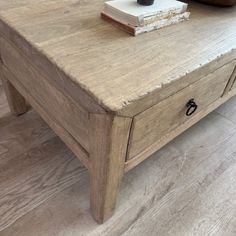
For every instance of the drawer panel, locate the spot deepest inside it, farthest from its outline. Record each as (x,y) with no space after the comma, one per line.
(150,126)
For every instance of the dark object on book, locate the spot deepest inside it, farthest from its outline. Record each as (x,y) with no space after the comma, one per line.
(226,3)
(145,2)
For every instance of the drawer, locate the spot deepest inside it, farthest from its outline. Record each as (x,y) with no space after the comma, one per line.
(150,126)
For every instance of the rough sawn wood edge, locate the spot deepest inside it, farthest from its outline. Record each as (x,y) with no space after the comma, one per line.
(87,99)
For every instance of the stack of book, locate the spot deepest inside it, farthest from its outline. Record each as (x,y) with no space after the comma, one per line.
(135,19)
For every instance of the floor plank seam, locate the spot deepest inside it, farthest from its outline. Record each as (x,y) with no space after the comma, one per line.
(223,116)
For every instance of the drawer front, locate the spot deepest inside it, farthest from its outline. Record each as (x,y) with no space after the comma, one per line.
(150,126)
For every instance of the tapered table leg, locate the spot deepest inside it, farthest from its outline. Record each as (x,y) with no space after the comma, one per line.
(15,100)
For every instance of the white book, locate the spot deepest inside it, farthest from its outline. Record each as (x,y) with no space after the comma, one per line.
(131,13)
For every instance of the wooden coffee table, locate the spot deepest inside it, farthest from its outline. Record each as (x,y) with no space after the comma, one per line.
(112,98)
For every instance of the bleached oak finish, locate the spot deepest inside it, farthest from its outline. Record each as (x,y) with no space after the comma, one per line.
(108,137)
(4,107)
(69,140)
(130,164)
(167,115)
(69,114)
(72,29)
(16,101)
(95,85)
(232,82)
(190,180)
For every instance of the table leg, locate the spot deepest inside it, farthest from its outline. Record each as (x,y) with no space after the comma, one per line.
(15,100)
(109,141)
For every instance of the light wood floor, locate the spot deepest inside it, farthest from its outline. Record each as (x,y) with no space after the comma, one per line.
(187,188)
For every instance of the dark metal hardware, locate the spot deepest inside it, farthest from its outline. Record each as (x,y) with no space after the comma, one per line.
(192,107)
(145,2)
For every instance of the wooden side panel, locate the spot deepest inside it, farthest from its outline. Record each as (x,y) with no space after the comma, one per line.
(52,122)
(70,44)
(64,110)
(151,125)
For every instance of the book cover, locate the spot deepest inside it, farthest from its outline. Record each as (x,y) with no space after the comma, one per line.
(136,30)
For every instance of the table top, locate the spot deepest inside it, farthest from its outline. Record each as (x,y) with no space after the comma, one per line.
(115,69)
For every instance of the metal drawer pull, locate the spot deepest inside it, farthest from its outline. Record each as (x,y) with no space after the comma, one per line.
(192,107)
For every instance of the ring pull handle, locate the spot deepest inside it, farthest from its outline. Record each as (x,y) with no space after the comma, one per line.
(192,107)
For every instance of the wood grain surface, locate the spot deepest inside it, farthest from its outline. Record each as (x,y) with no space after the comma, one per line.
(161,119)
(233,79)
(131,163)
(189,189)
(4,107)
(69,64)
(69,38)
(69,114)
(109,137)
(16,101)
(69,140)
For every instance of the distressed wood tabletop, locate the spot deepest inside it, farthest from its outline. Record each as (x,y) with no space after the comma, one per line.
(123,74)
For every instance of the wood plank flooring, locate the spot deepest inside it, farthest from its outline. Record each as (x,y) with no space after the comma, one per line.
(187,188)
